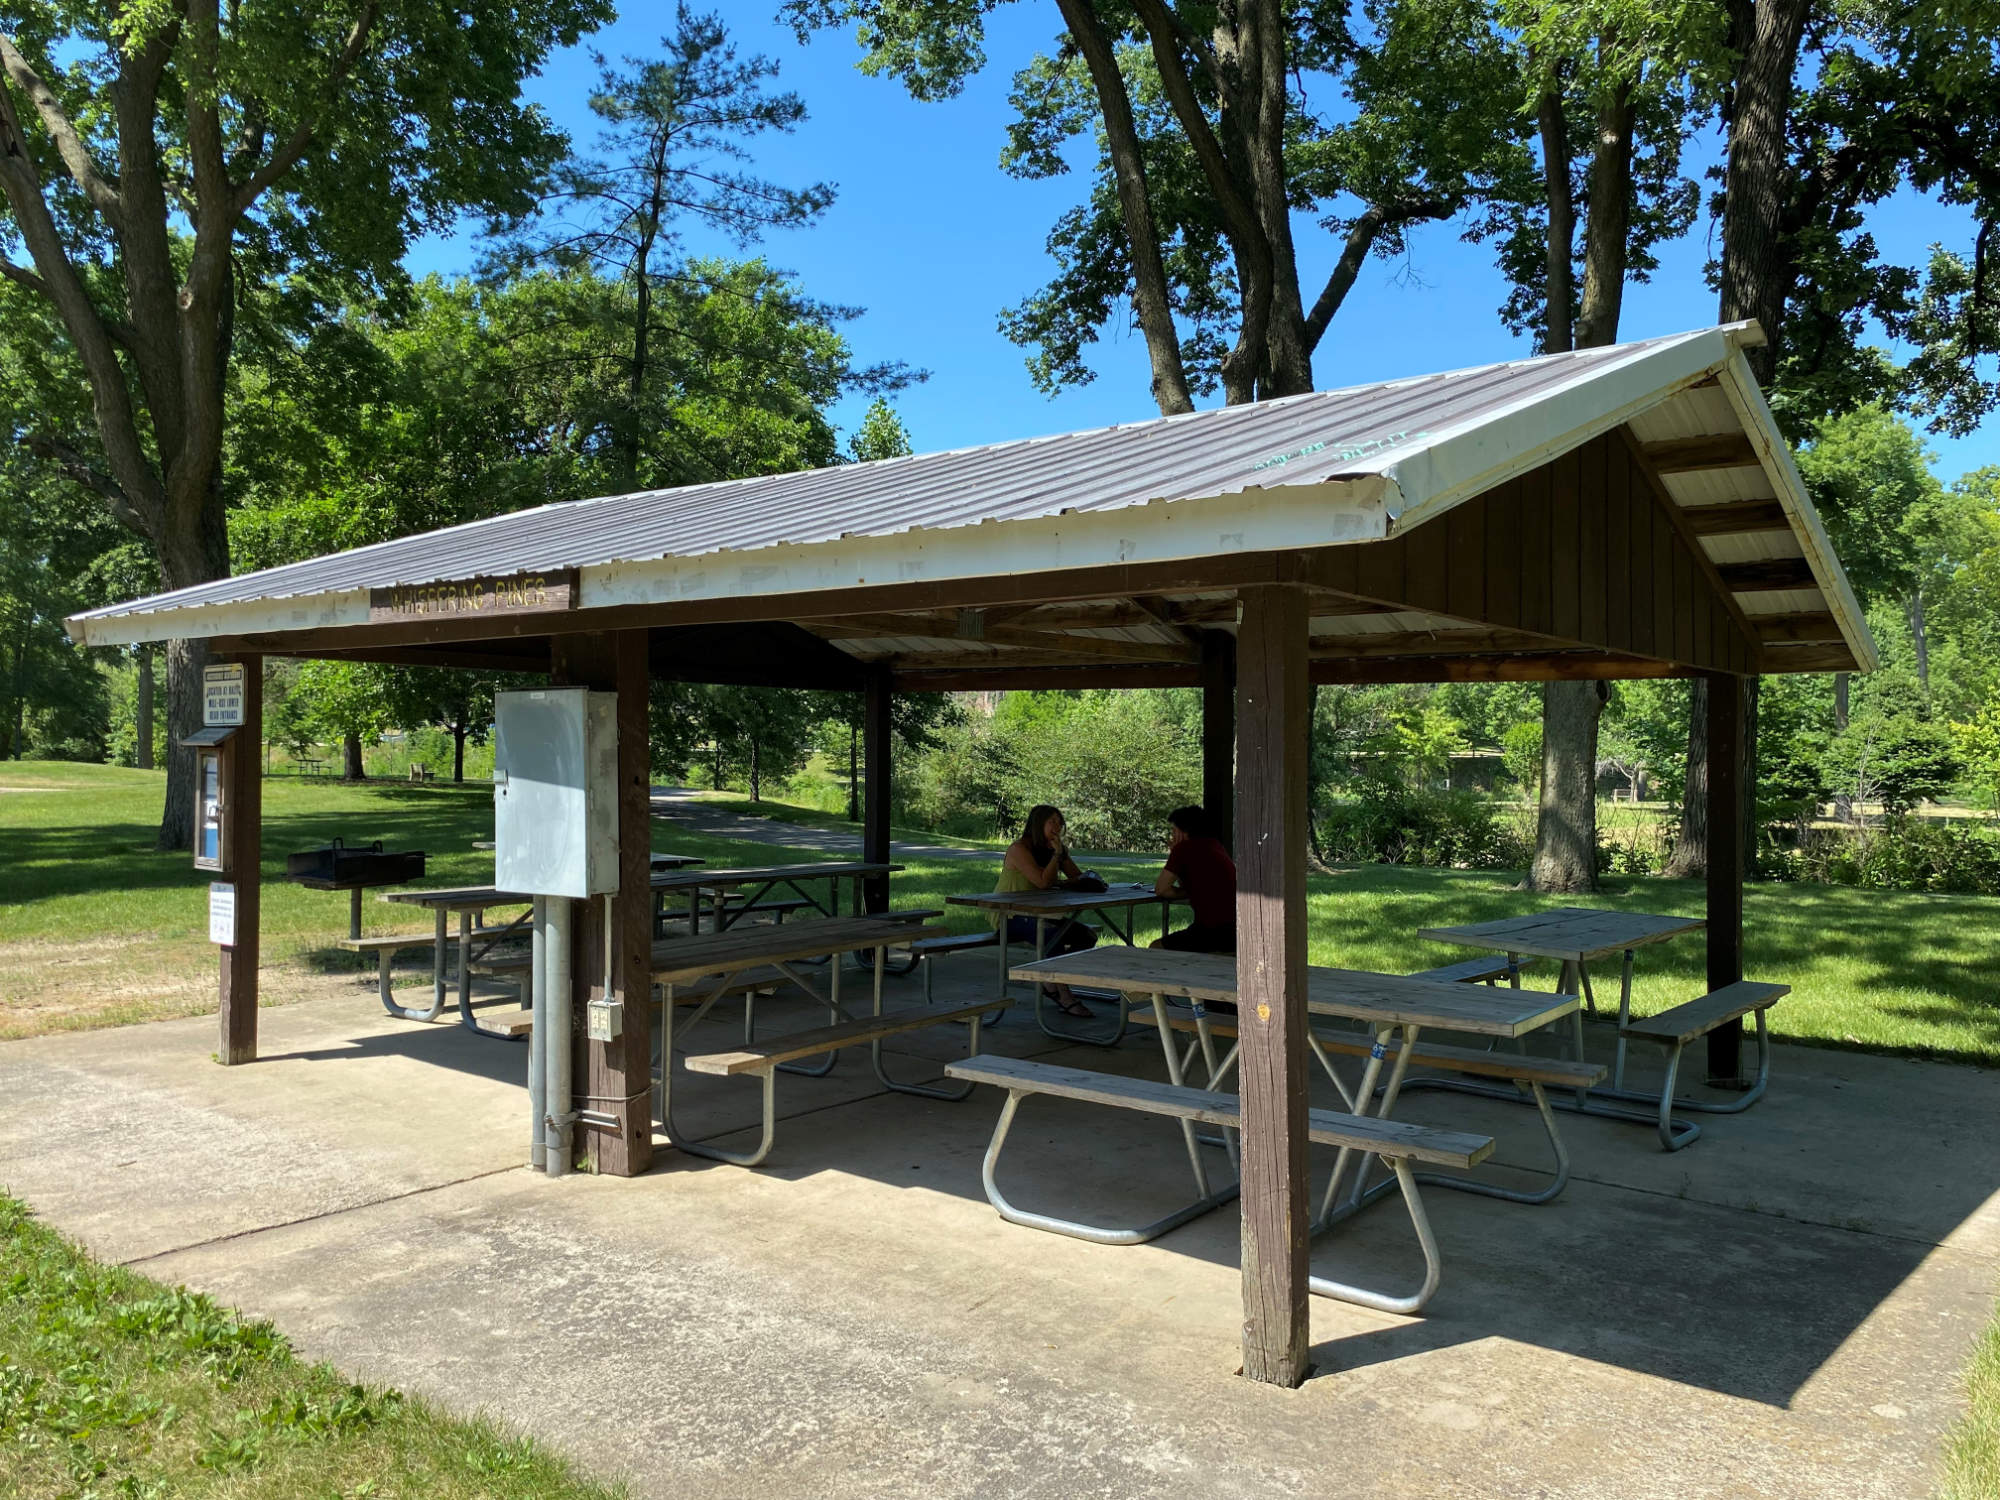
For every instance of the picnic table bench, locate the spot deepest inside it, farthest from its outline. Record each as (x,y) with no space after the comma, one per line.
(1391,1141)
(719,957)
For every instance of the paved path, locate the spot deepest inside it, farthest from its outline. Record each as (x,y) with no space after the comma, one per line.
(1779,1312)
(686,807)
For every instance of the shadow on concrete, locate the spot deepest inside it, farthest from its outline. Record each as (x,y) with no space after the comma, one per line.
(1706,1268)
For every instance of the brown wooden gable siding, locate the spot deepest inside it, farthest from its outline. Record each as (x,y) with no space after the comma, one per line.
(1585,549)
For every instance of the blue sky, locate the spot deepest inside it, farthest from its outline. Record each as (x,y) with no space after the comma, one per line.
(933,239)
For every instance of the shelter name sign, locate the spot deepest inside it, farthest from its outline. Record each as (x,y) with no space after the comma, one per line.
(515,594)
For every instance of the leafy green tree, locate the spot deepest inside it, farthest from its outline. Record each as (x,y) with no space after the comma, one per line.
(1977,743)
(159,162)
(675,131)
(344,702)
(456,701)
(881,434)
(1204,153)
(1898,761)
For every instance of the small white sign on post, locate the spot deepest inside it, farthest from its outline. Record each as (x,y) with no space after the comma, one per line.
(222,913)
(222,694)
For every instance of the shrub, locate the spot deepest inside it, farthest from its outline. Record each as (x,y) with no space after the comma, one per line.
(1404,826)
(1907,854)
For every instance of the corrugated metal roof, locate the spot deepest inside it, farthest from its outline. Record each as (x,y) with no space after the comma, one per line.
(1320,469)
(1300,440)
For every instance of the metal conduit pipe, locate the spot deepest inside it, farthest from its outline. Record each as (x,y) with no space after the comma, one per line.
(538,999)
(556,1039)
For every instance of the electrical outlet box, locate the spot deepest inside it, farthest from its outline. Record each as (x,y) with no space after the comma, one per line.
(605,1020)
(555,792)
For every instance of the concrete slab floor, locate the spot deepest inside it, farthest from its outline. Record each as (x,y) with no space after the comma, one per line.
(1781,1310)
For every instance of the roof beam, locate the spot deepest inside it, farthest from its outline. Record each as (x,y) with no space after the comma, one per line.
(1720,450)
(926,628)
(1737,517)
(1785,629)
(1768,576)
(1422,643)
(1539,666)
(1828,656)
(1161,612)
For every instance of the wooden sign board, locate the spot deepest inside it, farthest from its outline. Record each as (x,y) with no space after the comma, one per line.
(222,694)
(457,598)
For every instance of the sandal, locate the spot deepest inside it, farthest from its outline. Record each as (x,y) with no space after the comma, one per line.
(1070,1007)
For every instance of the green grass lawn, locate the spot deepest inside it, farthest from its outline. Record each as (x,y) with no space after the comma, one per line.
(88,907)
(114,1385)
(1972,1455)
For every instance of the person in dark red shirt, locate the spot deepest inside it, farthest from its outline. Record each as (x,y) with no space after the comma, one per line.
(1200,870)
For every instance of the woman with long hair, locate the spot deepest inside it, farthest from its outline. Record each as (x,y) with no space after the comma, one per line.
(1039,861)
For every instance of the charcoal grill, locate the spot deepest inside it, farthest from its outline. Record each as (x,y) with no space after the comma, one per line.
(336,867)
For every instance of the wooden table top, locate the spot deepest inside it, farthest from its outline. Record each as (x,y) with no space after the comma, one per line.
(743,947)
(477,897)
(1572,933)
(1354,994)
(757,874)
(460,898)
(1039,903)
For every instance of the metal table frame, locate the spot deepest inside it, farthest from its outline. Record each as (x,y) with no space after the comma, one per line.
(1574,978)
(835,1009)
(1080,904)
(1371,1097)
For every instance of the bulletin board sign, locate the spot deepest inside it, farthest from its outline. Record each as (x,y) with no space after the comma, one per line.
(222,694)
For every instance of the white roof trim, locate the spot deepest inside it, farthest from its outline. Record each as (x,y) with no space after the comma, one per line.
(1283,518)
(1512,440)
(1740,386)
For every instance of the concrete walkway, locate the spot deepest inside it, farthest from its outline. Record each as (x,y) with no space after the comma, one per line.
(1780,1311)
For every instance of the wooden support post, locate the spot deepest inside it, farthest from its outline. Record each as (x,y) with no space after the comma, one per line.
(615,1077)
(1271,979)
(876,752)
(243,808)
(1218,731)
(1726,773)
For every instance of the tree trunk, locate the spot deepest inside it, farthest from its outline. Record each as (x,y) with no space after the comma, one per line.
(756,772)
(853,774)
(1151,299)
(194,549)
(1840,684)
(1606,238)
(1922,642)
(458,753)
(715,767)
(1689,859)
(1559,300)
(350,750)
(1765,35)
(1566,833)
(144,709)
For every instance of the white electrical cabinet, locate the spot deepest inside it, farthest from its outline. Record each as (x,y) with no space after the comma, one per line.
(555,792)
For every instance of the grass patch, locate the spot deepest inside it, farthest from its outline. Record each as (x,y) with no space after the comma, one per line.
(115,1385)
(1972,1455)
(97,928)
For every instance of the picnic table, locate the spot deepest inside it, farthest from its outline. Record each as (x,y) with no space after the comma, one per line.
(766,878)
(1061,904)
(471,903)
(1386,1004)
(736,960)
(1577,936)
